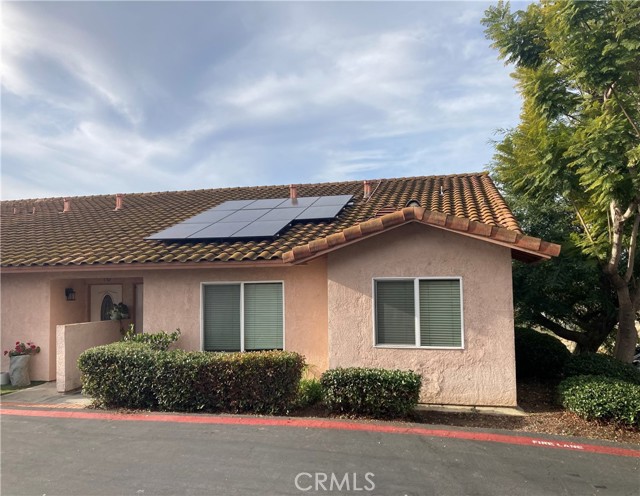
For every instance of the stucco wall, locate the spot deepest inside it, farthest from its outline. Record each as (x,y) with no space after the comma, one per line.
(72,340)
(33,304)
(25,317)
(483,373)
(172,300)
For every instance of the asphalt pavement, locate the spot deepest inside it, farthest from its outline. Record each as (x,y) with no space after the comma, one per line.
(45,455)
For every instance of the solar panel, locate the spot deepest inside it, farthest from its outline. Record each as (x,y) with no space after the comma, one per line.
(262,228)
(209,216)
(282,214)
(240,219)
(269,203)
(245,215)
(304,201)
(179,231)
(233,205)
(337,200)
(321,212)
(219,230)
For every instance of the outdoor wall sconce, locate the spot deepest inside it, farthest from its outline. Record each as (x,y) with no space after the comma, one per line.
(70,294)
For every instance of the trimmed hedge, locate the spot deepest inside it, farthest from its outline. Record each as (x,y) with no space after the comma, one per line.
(133,375)
(156,340)
(539,356)
(602,365)
(602,398)
(373,392)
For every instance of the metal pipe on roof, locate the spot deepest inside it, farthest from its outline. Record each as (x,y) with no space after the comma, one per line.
(293,191)
(367,189)
(119,201)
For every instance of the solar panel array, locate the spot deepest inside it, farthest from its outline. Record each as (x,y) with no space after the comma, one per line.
(246,219)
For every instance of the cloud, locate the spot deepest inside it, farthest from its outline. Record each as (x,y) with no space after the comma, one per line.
(223,94)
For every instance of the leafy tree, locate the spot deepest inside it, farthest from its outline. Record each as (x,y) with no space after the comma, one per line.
(569,295)
(577,67)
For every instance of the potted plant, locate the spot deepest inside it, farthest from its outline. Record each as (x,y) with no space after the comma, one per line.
(19,357)
(119,311)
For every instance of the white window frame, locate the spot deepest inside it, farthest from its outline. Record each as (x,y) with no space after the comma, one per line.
(241,284)
(416,299)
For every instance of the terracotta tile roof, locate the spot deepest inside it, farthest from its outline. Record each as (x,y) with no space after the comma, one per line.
(524,247)
(37,233)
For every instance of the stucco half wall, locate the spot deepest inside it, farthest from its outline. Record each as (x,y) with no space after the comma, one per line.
(483,373)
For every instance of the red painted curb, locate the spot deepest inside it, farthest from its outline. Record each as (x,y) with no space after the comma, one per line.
(329,424)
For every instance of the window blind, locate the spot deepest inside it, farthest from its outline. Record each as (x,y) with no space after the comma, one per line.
(222,317)
(440,316)
(395,312)
(263,321)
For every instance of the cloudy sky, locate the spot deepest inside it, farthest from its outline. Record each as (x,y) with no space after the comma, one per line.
(153,96)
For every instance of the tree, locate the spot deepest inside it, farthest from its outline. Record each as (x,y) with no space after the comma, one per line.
(577,67)
(568,295)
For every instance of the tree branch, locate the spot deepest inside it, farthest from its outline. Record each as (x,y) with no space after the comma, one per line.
(563,332)
(632,248)
(624,111)
(586,229)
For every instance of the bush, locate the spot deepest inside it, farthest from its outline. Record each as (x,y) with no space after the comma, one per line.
(539,356)
(603,365)
(156,340)
(602,398)
(309,393)
(133,375)
(374,392)
(120,374)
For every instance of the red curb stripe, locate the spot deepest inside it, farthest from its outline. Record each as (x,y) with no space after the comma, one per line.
(331,424)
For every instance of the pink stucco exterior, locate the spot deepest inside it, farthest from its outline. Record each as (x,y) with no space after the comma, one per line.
(483,373)
(34,304)
(328,309)
(172,299)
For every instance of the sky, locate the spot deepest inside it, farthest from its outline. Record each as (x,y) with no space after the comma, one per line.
(119,97)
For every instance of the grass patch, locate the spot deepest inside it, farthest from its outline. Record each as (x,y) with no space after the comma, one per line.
(8,389)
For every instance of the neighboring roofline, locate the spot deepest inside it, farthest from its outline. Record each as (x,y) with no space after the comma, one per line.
(525,248)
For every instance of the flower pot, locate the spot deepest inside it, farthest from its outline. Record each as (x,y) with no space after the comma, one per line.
(19,370)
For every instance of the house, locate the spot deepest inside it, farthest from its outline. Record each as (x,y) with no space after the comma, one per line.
(411,273)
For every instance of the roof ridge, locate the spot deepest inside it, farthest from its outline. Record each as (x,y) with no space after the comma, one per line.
(235,188)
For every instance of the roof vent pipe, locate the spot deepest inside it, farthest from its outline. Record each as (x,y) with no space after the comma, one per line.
(67,205)
(293,192)
(15,210)
(119,201)
(367,189)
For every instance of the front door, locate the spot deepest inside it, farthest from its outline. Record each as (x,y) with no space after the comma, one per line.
(103,299)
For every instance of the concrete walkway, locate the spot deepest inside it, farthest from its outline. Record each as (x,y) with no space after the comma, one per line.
(45,395)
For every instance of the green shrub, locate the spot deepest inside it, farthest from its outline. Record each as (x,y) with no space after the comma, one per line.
(120,375)
(602,398)
(373,392)
(133,375)
(309,393)
(156,340)
(603,365)
(539,356)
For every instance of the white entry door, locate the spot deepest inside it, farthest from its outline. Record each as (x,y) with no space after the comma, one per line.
(103,299)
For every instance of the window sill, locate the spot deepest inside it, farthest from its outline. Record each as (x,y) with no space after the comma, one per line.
(413,347)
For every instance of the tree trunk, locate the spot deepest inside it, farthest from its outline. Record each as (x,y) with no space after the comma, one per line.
(627,337)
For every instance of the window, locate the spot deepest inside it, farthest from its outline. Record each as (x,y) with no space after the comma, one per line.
(417,312)
(243,317)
